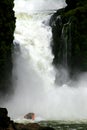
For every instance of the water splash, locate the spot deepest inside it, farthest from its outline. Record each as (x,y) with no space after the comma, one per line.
(34,75)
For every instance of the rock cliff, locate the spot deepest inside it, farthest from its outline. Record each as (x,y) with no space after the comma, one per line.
(69,27)
(7,26)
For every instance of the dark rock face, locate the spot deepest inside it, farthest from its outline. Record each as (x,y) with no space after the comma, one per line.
(69,27)
(71,4)
(7,26)
(4,119)
(7,124)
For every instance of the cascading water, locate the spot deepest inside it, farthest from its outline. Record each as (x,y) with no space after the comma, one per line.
(34,74)
(64,55)
(66,47)
(34,38)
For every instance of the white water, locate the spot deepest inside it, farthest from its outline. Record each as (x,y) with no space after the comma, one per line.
(34,75)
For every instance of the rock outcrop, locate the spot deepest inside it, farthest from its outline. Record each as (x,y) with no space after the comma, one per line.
(69,27)
(30,116)
(4,119)
(7,124)
(7,26)
(31,126)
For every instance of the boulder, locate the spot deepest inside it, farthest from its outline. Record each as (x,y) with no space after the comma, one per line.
(4,119)
(7,124)
(30,116)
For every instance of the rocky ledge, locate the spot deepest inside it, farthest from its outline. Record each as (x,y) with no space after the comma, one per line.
(7,124)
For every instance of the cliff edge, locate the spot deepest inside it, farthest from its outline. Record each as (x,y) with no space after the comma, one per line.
(69,27)
(7,26)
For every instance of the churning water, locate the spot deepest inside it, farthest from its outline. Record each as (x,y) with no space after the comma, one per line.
(33,72)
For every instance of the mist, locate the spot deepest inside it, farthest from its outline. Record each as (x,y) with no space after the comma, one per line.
(32,94)
(36,81)
(48,101)
(32,5)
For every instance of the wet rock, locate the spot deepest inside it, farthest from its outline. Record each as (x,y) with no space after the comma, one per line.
(7,27)
(69,28)
(4,119)
(30,116)
(46,128)
(31,126)
(7,124)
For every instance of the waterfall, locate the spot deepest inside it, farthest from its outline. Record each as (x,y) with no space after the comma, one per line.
(33,73)
(66,44)
(62,77)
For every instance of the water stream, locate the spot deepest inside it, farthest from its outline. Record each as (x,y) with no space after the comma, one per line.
(33,73)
